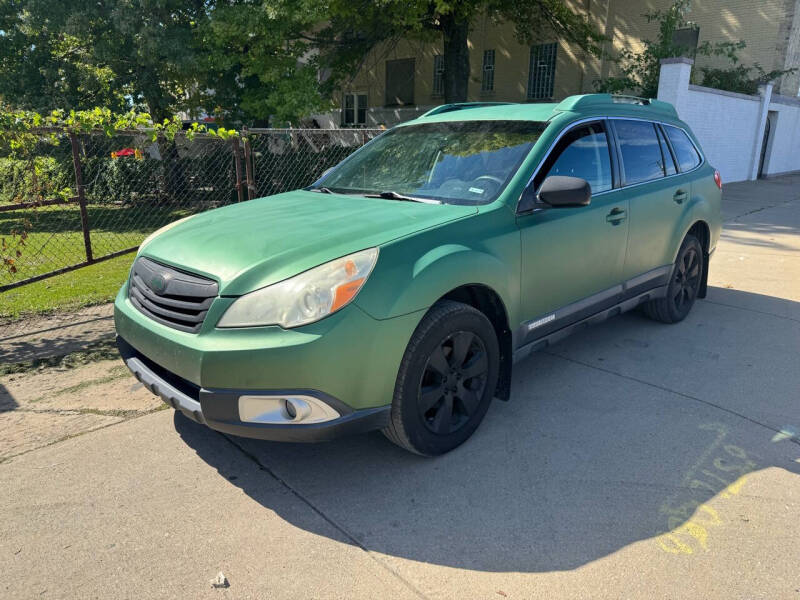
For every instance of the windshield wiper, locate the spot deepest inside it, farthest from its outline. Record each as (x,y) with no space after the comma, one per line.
(390,195)
(322,190)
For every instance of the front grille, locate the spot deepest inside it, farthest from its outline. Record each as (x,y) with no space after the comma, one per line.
(173,298)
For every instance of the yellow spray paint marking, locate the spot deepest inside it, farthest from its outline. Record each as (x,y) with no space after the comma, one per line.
(734,488)
(688,523)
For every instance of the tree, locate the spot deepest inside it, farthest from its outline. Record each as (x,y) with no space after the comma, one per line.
(260,60)
(641,70)
(355,28)
(107,53)
(237,58)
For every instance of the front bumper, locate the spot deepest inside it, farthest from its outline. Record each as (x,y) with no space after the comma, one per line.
(218,409)
(348,360)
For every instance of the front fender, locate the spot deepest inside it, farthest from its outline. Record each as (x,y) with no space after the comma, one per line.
(412,274)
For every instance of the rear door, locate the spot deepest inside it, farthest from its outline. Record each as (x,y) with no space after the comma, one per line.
(658,195)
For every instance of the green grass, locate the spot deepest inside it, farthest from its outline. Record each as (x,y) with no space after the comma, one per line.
(94,284)
(55,239)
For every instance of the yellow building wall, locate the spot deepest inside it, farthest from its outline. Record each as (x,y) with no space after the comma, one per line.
(762,24)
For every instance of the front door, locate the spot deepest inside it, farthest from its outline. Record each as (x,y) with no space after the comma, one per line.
(572,258)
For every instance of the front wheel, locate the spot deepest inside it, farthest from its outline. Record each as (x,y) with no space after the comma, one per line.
(446,380)
(684,284)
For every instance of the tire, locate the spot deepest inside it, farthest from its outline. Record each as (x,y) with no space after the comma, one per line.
(684,284)
(446,380)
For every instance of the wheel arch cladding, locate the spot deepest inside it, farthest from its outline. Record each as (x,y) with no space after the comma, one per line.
(447,272)
(489,302)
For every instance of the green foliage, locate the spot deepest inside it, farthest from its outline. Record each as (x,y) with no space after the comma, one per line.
(640,70)
(39,178)
(237,59)
(36,161)
(259,60)
(739,78)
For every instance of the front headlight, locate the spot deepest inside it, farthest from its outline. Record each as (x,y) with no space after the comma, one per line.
(304,298)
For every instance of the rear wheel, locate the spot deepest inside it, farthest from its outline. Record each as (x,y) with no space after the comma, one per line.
(684,284)
(446,380)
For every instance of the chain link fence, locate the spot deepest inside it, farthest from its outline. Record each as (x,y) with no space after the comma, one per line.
(80,199)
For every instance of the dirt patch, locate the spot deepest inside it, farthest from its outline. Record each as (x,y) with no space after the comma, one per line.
(51,403)
(36,338)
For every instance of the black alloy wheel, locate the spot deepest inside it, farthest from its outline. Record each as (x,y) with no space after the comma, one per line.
(446,380)
(683,286)
(453,382)
(687,279)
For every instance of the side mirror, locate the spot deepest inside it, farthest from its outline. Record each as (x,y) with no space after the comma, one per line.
(561,191)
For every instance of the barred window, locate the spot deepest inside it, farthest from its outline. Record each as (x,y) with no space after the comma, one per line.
(487,82)
(438,75)
(542,71)
(355,109)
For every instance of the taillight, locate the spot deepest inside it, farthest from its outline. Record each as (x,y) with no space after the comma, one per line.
(718,179)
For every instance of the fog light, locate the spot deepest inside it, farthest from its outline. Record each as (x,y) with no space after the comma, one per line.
(285,410)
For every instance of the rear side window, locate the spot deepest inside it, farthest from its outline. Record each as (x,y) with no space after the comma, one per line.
(685,152)
(582,152)
(640,149)
(669,163)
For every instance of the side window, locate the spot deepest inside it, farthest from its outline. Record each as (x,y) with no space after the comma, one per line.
(685,152)
(669,161)
(582,152)
(640,149)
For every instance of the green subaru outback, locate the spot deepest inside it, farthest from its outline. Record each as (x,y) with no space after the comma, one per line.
(396,292)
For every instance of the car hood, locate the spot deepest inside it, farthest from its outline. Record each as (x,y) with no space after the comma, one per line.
(250,245)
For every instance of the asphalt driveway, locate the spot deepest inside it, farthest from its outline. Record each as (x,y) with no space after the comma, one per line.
(634,460)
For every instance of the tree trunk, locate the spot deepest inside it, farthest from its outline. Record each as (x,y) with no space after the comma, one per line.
(456,58)
(175,182)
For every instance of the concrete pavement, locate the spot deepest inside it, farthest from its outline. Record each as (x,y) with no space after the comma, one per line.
(635,460)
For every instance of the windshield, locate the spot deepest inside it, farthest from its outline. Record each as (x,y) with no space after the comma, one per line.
(468,162)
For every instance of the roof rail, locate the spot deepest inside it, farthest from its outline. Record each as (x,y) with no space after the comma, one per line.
(599,101)
(444,108)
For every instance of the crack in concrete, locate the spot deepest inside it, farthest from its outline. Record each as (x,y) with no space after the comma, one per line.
(758,210)
(677,393)
(333,523)
(760,312)
(4,459)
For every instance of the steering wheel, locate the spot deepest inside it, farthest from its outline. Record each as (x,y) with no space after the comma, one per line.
(497,180)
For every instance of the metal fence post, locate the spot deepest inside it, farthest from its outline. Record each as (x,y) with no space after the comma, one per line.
(237,159)
(76,163)
(248,165)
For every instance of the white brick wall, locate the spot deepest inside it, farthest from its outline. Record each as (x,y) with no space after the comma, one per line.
(730,126)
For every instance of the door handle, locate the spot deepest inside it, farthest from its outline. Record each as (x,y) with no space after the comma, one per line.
(616,216)
(679,196)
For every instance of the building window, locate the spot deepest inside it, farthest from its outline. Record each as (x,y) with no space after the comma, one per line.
(400,82)
(438,75)
(542,72)
(487,82)
(355,109)
(686,40)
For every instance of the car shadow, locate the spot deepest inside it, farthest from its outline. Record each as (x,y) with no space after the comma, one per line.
(7,400)
(602,445)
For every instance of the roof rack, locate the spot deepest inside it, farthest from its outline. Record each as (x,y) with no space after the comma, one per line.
(444,108)
(598,101)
